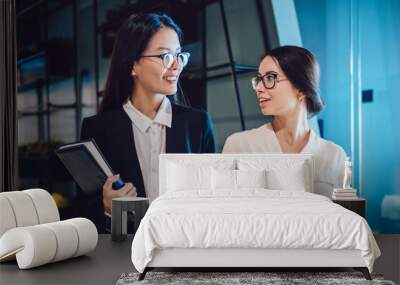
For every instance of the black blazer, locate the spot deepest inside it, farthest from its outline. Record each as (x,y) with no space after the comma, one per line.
(191,132)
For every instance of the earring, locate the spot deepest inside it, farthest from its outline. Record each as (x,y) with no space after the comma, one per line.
(133,73)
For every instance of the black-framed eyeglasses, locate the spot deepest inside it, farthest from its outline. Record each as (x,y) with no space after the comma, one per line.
(168,58)
(268,80)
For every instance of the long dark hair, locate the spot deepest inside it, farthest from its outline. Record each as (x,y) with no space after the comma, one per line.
(302,69)
(132,39)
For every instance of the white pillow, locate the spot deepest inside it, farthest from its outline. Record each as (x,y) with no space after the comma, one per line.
(251,178)
(291,179)
(188,177)
(282,174)
(236,179)
(223,179)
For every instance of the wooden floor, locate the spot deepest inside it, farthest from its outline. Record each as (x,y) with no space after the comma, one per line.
(389,262)
(110,260)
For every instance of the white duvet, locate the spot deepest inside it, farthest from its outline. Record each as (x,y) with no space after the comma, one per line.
(252,218)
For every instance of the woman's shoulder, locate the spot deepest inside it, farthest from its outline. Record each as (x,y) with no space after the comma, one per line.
(329,159)
(186,110)
(245,140)
(329,155)
(327,146)
(94,126)
(190,115)
(104,117)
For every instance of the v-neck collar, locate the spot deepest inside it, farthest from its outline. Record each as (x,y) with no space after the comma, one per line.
(306,149)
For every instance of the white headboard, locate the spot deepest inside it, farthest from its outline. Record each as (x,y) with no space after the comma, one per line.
(268,160)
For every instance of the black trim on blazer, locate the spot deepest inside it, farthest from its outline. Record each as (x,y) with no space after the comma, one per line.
(191,132)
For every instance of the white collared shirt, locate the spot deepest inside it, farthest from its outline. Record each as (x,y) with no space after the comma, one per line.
(328,157)
(150,141)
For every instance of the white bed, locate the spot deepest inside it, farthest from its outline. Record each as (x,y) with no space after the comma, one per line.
(204,219)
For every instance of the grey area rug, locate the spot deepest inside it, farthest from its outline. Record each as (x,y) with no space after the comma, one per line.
(225,278)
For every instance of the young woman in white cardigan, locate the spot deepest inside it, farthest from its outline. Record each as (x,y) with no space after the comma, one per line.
(287,88)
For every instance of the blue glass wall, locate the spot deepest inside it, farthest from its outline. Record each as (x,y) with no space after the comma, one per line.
(379,24)
(334,30)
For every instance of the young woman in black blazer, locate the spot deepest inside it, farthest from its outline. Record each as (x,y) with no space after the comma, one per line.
(137,121)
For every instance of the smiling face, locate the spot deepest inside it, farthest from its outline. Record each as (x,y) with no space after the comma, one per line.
(283,98)
(149,72)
